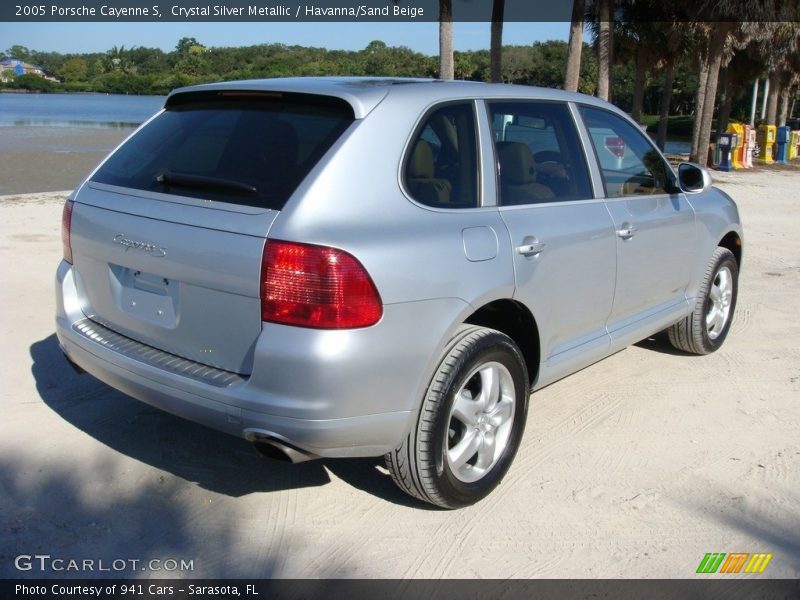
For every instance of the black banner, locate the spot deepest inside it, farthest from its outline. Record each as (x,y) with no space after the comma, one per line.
(392,589)
(400,11)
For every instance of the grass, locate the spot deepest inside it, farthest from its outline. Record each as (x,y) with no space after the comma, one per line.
(678,126)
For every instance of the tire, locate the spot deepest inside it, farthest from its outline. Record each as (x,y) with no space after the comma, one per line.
(706,328)
(470,423)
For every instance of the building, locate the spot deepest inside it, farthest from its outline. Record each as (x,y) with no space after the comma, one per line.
(18,67)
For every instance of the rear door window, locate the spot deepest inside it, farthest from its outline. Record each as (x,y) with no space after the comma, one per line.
(539,156)
(239,147)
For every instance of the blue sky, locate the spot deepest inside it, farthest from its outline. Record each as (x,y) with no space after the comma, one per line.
(422,37)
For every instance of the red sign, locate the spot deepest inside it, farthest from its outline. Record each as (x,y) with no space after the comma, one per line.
(615,145)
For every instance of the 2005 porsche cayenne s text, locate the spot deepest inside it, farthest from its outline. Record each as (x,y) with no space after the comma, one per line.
(345,267)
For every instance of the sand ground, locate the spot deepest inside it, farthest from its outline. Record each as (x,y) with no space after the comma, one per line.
(634,467)
(43,159)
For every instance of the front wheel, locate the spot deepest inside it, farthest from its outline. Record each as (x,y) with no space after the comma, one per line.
(470,423)
(706,328)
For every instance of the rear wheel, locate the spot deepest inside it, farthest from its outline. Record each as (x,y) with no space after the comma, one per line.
(706,328)
(470,423)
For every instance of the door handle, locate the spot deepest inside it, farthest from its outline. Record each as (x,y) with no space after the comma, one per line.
(627,231)
(531,249)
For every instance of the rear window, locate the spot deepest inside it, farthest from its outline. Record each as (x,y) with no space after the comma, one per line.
(250,148)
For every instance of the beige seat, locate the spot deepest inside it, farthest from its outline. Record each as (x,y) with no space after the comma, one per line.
(420,177)
(518,176)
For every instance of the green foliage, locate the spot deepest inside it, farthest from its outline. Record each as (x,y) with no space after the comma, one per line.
(74,69)
(186,44)
(32,83)
(140,70)
(678,125)
(19,52)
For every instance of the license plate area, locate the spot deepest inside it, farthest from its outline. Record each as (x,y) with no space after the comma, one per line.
(145,296)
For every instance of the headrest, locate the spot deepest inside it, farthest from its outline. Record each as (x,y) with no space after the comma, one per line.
(421,165)
(516,163)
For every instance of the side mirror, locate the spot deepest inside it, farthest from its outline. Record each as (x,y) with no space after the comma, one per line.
(693,178)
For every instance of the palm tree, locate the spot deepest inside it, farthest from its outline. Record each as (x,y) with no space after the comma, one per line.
(780,48)
(714,39)
(446,63)
(605,43)
(672,50)
(705,115)
(737,79)
(496,45)
(636,40)
(572,77)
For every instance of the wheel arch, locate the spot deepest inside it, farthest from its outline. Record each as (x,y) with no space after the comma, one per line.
(733,242)
(517,322)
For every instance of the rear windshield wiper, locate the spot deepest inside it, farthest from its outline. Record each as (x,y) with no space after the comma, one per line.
(201,181)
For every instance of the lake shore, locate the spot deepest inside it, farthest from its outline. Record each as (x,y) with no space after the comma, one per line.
(52,158)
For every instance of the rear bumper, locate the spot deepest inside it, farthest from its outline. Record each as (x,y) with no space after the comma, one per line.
(373,434)
(332,394)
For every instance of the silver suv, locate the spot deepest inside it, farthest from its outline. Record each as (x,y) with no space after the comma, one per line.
(344,267)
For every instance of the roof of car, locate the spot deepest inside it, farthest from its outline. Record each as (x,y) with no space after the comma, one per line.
(365,93)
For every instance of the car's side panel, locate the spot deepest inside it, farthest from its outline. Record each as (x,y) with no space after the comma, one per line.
(655,246)
(656,238)
(569,285)
(413,252)
(716,216)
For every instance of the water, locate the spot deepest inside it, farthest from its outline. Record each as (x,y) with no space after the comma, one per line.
(77,110)
(113,111)
(677,147)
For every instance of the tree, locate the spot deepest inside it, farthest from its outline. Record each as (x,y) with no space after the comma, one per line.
(185,45)
(116,59)
(672,50)
(737,79)
(780,49)
(714,61)
(604,43)
(714,30)
(19,52)
(496,44)
(640,40)
(575,46)
(604,48)
(376,58)
(446,66)
(32,82)
(74,69)
(193,64)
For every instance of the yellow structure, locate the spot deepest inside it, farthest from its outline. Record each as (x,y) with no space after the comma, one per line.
(793,145)
(737,152)
(766,140)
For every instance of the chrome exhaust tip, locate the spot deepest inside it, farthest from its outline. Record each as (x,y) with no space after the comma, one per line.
(269,446)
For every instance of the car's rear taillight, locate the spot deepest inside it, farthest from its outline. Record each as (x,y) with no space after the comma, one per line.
(316,286)
(66,230)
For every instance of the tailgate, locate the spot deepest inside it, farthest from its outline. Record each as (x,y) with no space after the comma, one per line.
(176,275)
